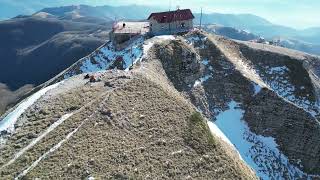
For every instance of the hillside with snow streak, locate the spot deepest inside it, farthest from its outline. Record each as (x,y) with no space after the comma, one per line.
(8,122)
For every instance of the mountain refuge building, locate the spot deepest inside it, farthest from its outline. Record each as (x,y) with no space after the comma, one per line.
(160,23)
(171,22)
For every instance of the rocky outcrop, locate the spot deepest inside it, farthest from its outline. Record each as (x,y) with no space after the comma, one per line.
(181,63)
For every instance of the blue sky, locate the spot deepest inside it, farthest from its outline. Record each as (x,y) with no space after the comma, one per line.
(295,13)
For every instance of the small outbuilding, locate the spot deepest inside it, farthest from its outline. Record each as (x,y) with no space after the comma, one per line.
(122,32)
(171,22)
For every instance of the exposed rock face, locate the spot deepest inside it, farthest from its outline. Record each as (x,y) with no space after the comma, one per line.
(180,62)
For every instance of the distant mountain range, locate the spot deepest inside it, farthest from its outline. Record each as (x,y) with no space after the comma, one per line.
(108,12)
(308,38)
(260,26)
(230,32)
(252,23)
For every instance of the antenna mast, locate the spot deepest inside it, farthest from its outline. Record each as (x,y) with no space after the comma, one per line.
(201,19)
(169,11)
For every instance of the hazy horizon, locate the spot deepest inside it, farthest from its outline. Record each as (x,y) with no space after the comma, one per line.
(292,13)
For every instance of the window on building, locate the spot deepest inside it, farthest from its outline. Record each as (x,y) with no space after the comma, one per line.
(183,25)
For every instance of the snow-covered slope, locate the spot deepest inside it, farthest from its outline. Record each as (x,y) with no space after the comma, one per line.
(106,57)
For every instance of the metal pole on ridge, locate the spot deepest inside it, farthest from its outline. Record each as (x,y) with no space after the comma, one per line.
(169,21)
(201,19)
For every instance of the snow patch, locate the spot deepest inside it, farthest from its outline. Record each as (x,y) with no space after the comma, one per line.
(278,70)
(257,88)
(214,129)
(259,152)
(165,37)
(107,55)
(246,31)
(278,80)
(196,39)
(202,79)
(205,62)
(177,152)
(8,122)
(197,83)
(91,178)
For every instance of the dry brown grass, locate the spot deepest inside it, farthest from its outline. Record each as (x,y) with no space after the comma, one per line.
(143,129)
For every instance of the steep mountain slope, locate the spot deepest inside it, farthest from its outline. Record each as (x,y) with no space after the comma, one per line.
(261,100)
(239,76)
(33,49)
(235,74)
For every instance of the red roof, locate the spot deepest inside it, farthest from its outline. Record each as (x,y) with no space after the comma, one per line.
(171,16)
